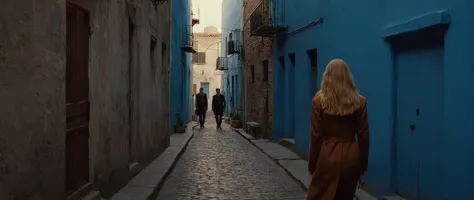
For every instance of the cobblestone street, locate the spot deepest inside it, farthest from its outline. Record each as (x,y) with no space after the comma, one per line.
(220,164)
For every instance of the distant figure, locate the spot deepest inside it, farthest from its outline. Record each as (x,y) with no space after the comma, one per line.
(201,106)
(218,105)
(337,161)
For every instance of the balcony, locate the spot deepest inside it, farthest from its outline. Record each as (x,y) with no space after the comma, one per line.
(190,44)
(232,48)
(267,19)
(233,45)
(191,47)
(195,18)
(222,64)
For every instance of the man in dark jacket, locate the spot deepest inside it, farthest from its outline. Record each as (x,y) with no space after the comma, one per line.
(218,105)
(201,106)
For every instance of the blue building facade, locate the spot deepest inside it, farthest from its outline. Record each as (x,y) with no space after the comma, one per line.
(411,60)
(232,73)
(181,75)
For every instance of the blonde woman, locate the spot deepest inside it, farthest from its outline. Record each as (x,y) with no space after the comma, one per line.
(337,161)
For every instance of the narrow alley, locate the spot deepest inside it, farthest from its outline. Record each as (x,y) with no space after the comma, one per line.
(100,99)
(221,164)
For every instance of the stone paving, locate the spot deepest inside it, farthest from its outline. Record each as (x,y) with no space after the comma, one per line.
(221,164)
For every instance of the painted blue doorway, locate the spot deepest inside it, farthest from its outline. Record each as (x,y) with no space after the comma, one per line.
(313,60)
(419,122)
(232,97)
(291,95)
(279,100)
(236,93)
(205,87)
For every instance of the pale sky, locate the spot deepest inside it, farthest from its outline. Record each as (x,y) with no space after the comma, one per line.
(210,14)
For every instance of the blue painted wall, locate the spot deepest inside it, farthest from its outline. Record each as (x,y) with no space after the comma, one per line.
(232,11)
(181,77)
(354,31)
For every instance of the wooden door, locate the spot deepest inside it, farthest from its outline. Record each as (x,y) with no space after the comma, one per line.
(77,98)
(131,60)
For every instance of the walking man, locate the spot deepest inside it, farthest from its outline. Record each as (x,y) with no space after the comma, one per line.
(201,106)
(218,105)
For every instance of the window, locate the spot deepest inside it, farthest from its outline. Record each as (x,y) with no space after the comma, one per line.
(252,73)
(265,70)
(152,54)
(292,57)
(313,57)
(202,57)
(282,62)
(199,58)
(164,58)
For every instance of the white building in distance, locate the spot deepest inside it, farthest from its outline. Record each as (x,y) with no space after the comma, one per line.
(205,74)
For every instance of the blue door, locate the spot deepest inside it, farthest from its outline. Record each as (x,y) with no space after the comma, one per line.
(279,100)
(291,96)
(205,87)
(419,122)
(232,97)
(236,92)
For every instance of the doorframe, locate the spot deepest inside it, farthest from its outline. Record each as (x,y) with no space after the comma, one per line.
(132,88)
(394,136)
(291,93)
(433,32)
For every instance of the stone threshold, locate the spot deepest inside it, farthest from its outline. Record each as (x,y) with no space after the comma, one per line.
(145,185)
(296,167)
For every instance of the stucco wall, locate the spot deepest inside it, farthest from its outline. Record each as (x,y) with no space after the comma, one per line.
(33,162)
(210,45)
(181,77)
(259,99)
(232,11)
(353,31)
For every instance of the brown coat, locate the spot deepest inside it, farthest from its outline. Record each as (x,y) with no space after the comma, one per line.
(336,158)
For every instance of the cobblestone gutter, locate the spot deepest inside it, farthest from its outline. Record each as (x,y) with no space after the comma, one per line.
(144,185)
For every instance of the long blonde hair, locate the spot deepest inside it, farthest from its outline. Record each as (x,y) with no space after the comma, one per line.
(338,94)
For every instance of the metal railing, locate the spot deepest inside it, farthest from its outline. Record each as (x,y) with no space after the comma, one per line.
(190,44)
(195,17)
(222,63)
(194,43)
(268,18)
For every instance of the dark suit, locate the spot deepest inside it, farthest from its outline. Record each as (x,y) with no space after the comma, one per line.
(218,105)
(201,107)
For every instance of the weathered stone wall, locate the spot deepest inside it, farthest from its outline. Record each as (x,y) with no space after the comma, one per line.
(32,78)
(259,99)
(32,109)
